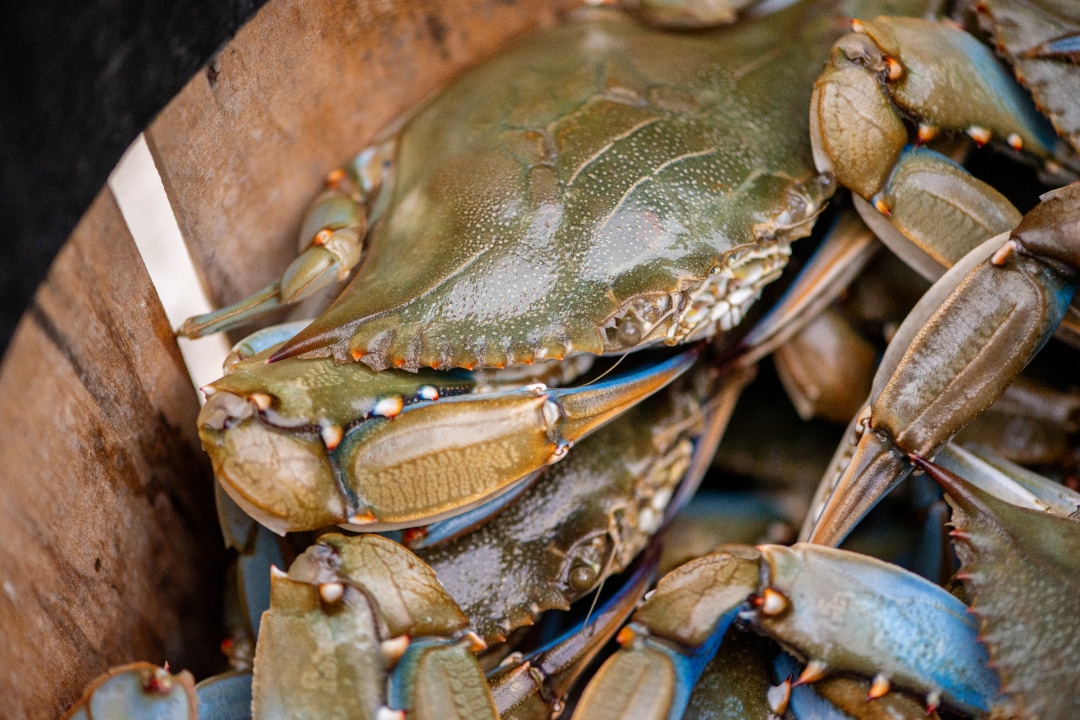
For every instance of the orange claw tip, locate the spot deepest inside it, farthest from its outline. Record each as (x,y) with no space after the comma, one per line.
(1003,253)
(322,237)
(979,134)
(896,70)
(365,518)
(1015,142)
(778,697)
(394,649)
(626,636)
(933,702)
(331,592)
(158,681)
(815,670)
(357,353)
(857,26)
(334,177)
(411,535)
(473,642)
(926,133)
(389,407)
(879,687)
(332,435)
(883,207)
(261,400)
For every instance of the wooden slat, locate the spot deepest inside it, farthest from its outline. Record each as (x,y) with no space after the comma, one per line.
(304,86)
(109,549)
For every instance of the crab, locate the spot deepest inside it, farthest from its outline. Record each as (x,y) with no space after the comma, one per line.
(598,194)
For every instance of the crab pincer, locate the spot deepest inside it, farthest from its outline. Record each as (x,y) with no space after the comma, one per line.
(842,612)
(958,350)
(378,451)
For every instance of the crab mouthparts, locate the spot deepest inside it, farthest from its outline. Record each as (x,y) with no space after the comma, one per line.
(701,308)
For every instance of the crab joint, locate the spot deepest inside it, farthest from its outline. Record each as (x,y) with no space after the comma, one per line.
(626,636)
(335,177)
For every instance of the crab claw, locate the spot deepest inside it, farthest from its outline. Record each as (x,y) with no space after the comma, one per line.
(138,690)
(961,346)
(302,450)
(850,613)
(342,599)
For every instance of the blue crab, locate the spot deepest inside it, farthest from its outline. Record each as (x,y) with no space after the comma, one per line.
(597,194)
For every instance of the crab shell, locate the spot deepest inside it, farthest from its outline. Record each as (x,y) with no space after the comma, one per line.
(598,187)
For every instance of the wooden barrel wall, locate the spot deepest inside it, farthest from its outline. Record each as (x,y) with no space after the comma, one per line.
(109,550)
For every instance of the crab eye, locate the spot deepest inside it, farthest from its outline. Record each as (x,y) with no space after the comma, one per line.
(629,332)
(582,577)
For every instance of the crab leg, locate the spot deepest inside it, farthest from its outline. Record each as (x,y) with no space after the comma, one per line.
(954,362)
(842,611)
(330,244)
(536,687)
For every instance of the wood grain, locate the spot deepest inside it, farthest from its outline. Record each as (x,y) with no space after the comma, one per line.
(110,549)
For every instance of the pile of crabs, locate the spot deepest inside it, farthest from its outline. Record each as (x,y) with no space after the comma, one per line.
(510,407)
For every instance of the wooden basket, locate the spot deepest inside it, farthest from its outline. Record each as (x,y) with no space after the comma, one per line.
(110,549)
